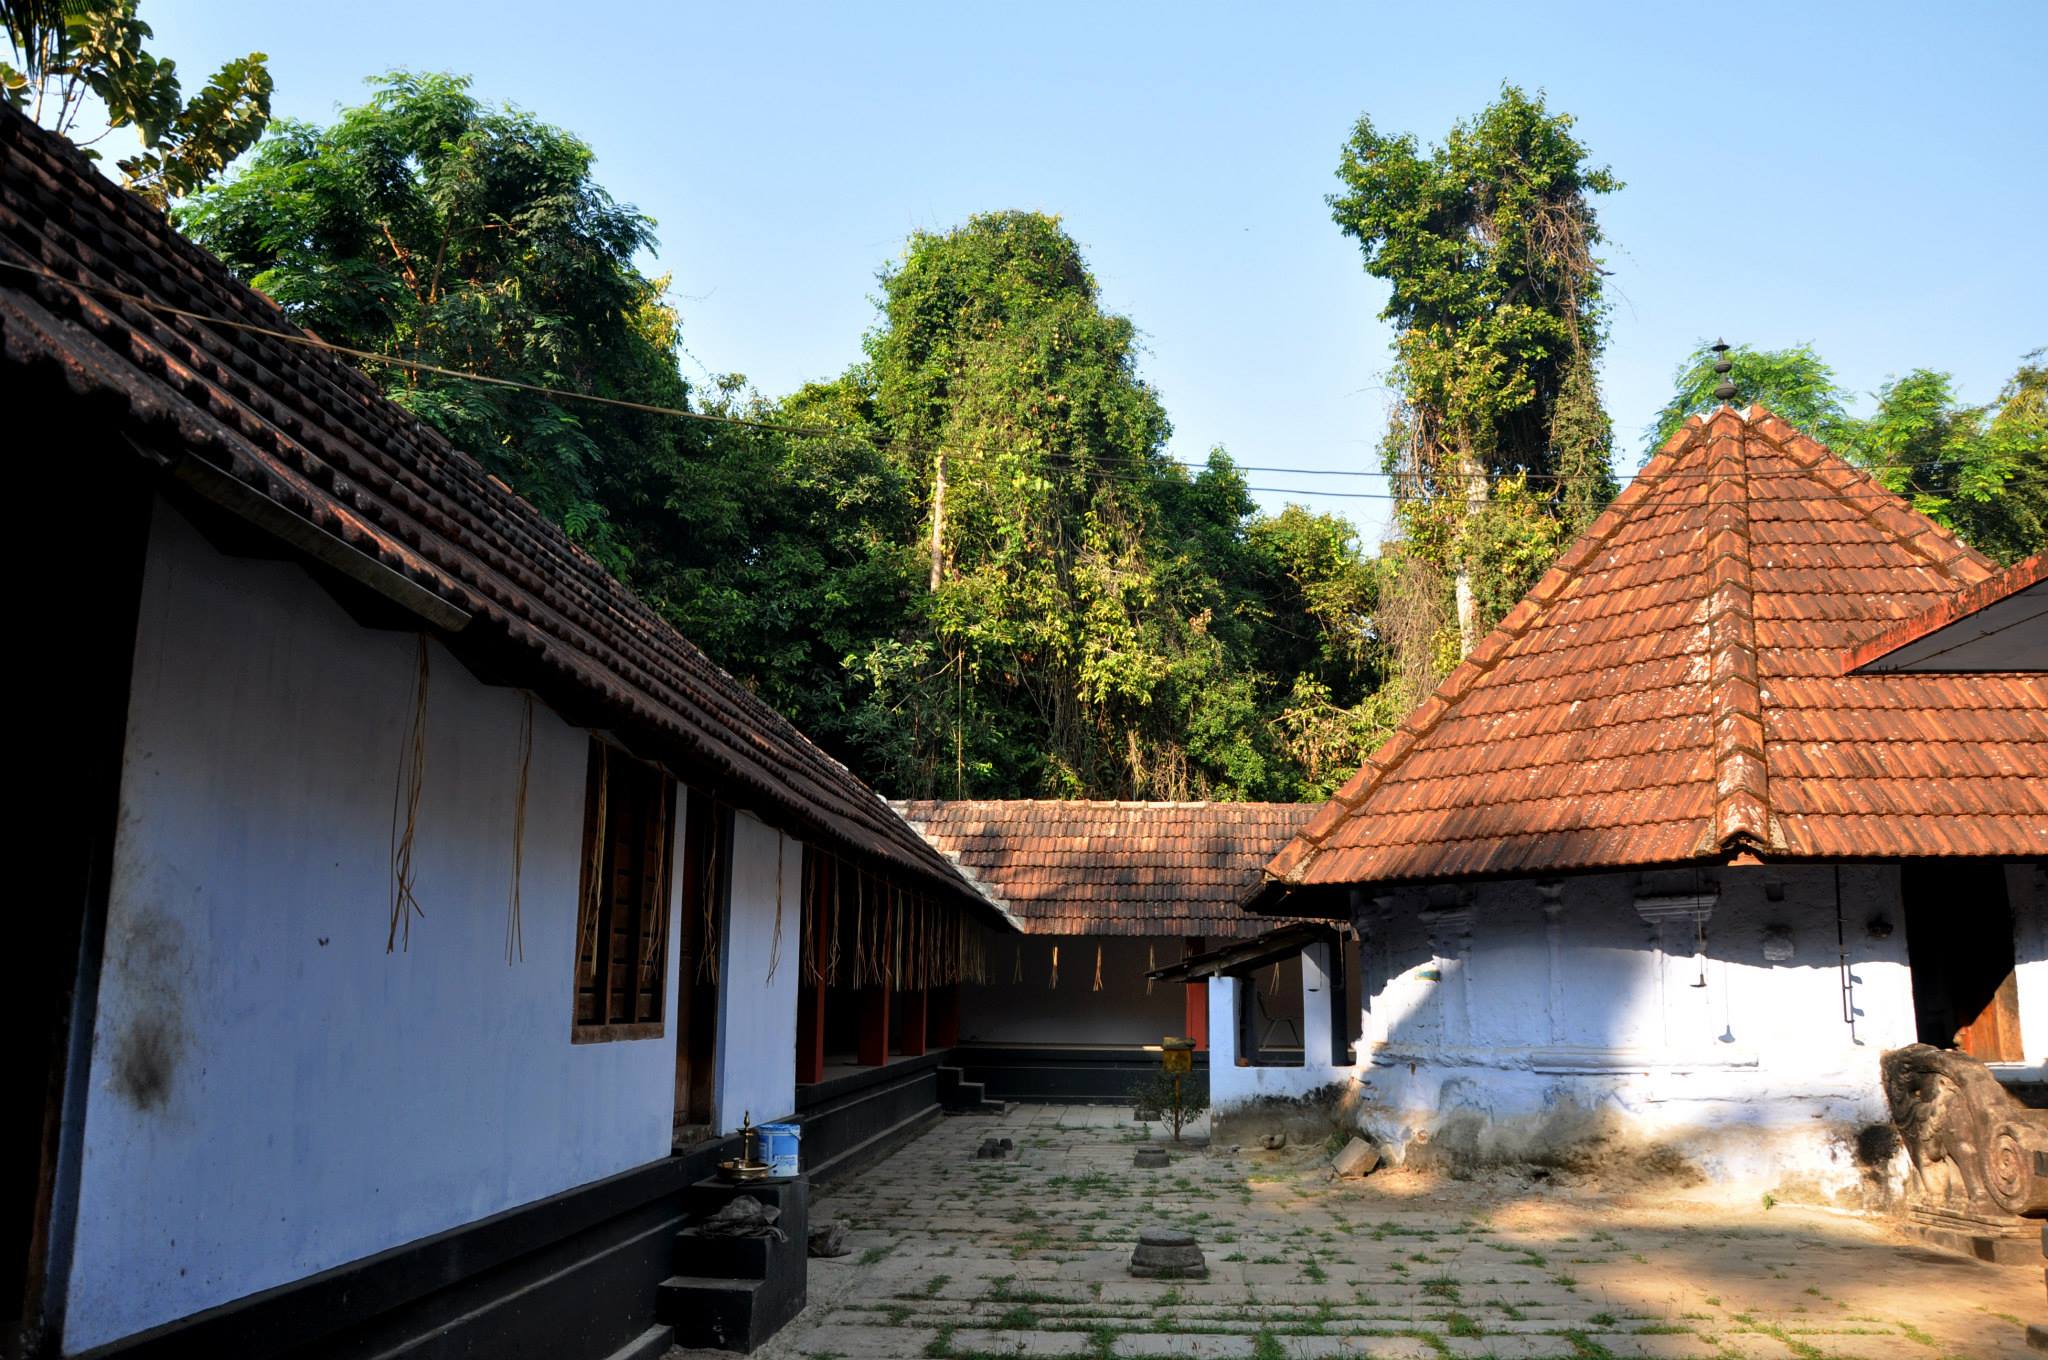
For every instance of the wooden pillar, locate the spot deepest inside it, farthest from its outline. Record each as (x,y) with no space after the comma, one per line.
(874,1025)
(810,999)
(1197,1020)
(945,1016)
(916,1013)
(810,1034)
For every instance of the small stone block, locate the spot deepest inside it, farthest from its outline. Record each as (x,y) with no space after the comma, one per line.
(1150,1157)
(828,1240)
(1359,1158)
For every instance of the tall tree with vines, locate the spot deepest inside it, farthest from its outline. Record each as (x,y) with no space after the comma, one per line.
(1498,445)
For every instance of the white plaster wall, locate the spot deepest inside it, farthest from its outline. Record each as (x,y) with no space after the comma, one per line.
(271,1093)
(757,978)
(1231,1084)
(1033,1011)
(2027,889)
(1510,1029)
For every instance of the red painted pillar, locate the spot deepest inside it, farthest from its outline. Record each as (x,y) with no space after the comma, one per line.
(1198,1002)
(874,1025)
(810,1000)
(810,1033)
(945,1016)
(916,1014)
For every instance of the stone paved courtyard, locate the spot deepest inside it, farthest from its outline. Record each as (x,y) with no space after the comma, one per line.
(958,1258)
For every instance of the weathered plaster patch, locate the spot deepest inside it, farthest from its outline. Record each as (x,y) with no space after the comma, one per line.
(150,1036)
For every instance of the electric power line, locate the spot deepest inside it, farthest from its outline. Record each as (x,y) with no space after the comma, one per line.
(1134,476)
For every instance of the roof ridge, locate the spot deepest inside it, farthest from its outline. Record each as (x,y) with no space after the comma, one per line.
(1294,858)
(1742,807)
(1888,512)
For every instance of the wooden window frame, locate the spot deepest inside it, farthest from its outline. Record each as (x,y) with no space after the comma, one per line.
(635,816)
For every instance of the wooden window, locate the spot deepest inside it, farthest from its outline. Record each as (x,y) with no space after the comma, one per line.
(622,904)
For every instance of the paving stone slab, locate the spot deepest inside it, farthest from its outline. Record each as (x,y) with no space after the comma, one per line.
(1184,1346)
(1020,1343)
(863,1342)
(1662,1346)
(1524,1347)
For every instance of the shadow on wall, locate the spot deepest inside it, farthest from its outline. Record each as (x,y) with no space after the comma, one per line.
(1720,1027)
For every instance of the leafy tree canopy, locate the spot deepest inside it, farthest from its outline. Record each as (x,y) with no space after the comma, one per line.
(1498,446)
(429,228)
(78,56)
(1092,613)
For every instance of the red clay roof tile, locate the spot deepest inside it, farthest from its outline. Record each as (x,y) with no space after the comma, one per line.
(1672,691)
(1073,867)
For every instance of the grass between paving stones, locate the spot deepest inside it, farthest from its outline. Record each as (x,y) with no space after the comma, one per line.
(1432,1270)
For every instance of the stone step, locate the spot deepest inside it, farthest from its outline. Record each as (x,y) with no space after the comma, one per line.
(709,1311)
(651,1344)
(722,1258)
(713,1312)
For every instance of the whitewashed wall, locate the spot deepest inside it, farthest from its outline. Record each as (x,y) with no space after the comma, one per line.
(1517,1019)
(2026,888)
(1308,979)
(757,978)
(271,1093)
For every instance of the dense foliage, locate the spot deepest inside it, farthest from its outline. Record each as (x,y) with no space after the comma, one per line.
(1498,445)
(1095,620)
(426,227)
(1980,470)
(78,55)
(967,565)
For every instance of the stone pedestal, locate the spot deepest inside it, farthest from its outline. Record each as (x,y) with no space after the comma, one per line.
(1168,1254)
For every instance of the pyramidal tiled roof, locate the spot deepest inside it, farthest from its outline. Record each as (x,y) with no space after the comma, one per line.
(1071,867)
(1674,690)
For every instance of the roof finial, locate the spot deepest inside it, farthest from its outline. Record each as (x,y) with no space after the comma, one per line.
(1724,389)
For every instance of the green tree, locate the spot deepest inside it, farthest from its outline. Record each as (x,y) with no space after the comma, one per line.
(429,228)
(78,57)
(790,558)
(1028,437)
(1089,618)
(1981,471)
(1796,383)
(1487,244)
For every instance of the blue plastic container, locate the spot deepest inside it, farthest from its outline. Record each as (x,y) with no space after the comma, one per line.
(781,1147)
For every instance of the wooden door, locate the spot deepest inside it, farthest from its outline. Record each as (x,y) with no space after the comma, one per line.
(1959,941)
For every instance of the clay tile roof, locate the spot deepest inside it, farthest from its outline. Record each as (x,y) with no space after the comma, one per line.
(1672,691)
(1996,625)
(303,437)
(1091,868)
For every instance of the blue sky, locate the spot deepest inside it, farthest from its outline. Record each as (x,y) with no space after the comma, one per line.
(1868,177)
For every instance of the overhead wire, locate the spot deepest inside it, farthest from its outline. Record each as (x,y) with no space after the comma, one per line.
(1133,476)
